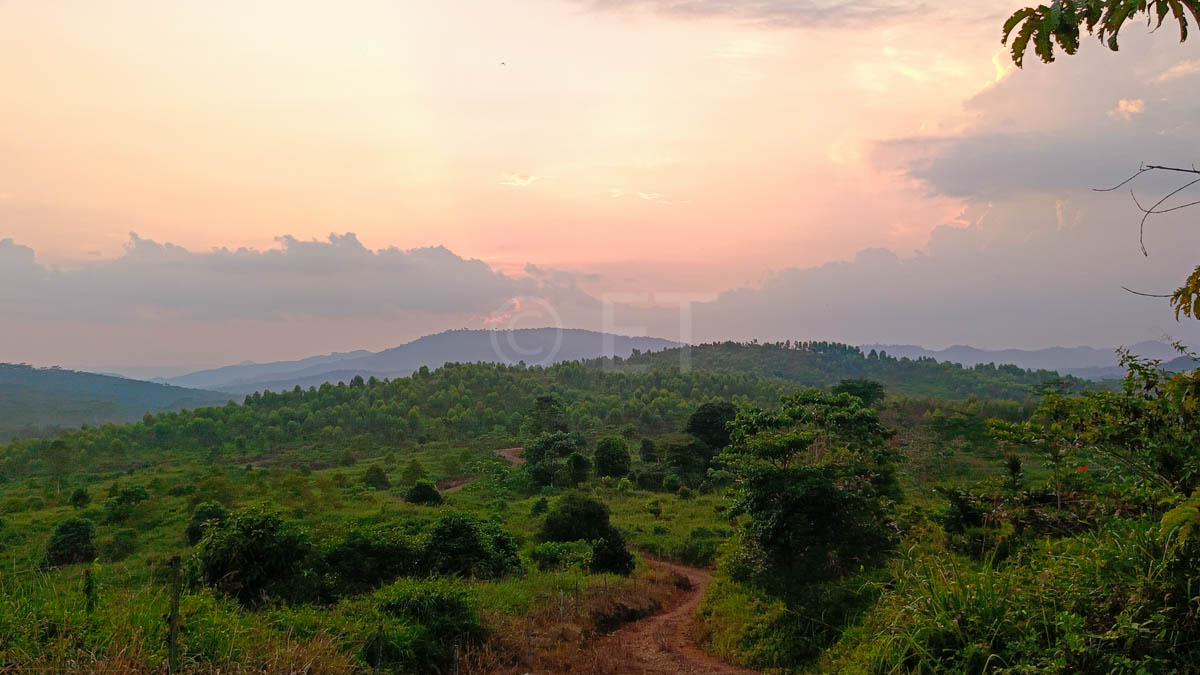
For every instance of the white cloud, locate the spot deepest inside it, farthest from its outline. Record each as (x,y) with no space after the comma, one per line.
(1128,108)
(1181,69)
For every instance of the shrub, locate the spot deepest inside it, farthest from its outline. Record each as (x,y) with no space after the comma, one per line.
(610,556)
(460,545)
(412,473)
(542,505)
(423,492)
(376,478)
(206,515)
(71,543)
(364,559)
(559,555)
(251,555)
(443,613)
(80,498)
(685,493)
(575,517)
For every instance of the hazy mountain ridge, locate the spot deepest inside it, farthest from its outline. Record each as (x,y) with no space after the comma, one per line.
(35,400)
(1089,362)
(532,345)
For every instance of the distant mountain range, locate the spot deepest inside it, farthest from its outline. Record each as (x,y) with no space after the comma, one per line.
(37,401)
(533,346)
(1087,362)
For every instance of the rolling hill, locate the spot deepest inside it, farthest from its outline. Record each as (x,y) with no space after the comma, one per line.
(36,401)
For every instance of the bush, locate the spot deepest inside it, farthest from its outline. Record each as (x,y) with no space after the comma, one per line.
(71,543)
(609,556)
(460,545)
(376,478)
(685,493)
(558,555)
(80,498)
(672,483)
(206,515)
(423,492)
(253,554)
(364,559)
(647,452)
(122,545)
(119,506)
(542,505)
(443,613)
(575,517)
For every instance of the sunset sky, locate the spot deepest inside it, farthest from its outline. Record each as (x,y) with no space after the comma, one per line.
(871,171)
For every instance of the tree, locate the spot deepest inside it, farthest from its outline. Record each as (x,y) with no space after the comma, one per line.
(709,422)
(575,517)
(870,391)
(423,492)
(579,468)
(58,460)
(1063,22)
(609,556)
(71,543)
(80,498)
(612,457)
(816,484)
(648,452)
(376,478)
(412,472)
(548,416)
(251,555)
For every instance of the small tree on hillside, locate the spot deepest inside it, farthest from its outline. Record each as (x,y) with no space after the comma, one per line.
(376,478)
(71,543)
(423,492)
(870,391)
(612,457)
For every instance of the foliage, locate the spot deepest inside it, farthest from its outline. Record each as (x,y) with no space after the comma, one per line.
(423,492)
(71,543)
(251,555)
(366,557)
(463,546)
(121,545)
(610,556)
(1063,21)
(560,555)
(612,457)
(816,483)
(376,478)
(206,515)
(80,498)
(868,391)
(710,423)
(575,517)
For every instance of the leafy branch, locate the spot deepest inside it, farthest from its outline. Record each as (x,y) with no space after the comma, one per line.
(1063,22)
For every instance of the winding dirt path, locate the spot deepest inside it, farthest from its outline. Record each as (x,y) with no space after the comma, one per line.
(660,643)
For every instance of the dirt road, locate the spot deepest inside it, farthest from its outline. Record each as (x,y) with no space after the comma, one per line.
(660,643)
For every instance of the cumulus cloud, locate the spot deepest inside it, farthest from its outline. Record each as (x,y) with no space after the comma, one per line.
(1055,129)
(1031,274)
(336,278)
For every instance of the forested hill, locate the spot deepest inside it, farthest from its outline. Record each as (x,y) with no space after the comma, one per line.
(456,403)
(824,363)
(38,401)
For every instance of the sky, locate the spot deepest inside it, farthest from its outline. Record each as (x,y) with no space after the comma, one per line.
(200,183)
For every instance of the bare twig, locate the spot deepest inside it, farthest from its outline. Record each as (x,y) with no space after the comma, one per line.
(1147,295)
